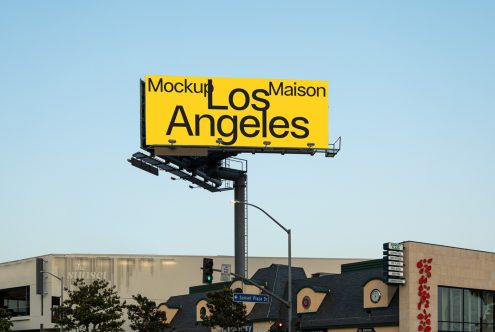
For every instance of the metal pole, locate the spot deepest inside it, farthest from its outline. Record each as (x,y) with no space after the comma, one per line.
(240,226)
(289,292)
(289,257)
(61,279)
(61,298)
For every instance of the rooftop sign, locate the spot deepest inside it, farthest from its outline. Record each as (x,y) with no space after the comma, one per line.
(235,112)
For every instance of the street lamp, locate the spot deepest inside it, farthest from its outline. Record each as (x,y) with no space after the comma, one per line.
(61,279)
(289,291)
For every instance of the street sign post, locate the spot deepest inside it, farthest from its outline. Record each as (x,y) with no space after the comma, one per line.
(241,297)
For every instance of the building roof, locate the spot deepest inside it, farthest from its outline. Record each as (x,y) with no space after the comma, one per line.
(185,319)
(275,277)
(343,306)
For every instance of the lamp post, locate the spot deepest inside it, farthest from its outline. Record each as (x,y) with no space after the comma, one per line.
(61,279)
(289,291)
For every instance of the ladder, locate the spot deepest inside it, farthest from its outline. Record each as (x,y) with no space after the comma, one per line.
(246,232)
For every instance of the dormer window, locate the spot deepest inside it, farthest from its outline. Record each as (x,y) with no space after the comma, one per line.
(310,298)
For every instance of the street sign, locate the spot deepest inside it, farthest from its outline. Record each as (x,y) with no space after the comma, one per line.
(393,253)
(394,263)
(393,246)
(396,268)
(225,276)
(395,274)
(241,297)
(396,281)
(395,258)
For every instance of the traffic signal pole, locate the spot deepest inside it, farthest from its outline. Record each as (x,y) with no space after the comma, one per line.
(289,258)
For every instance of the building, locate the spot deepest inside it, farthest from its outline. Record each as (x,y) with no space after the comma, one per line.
(446,289)
(154,276)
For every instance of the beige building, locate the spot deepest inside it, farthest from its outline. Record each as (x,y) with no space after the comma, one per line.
(155,276)
(430,288)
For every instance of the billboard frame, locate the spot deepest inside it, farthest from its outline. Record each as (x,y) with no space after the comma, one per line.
(198,150)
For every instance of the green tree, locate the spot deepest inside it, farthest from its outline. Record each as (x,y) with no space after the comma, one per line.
(145,316)
(91,307)
(224,311)
(5,323)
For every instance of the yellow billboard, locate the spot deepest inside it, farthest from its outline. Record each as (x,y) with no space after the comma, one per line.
(236,112)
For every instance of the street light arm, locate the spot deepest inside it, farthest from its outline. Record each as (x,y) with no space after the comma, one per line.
(53,275)
(289,254)
(266,213)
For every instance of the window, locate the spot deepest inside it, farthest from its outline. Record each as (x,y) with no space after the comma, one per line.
(55,304)
(465,310)
(16,300)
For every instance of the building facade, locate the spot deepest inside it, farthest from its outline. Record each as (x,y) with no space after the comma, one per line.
(446,289)
(154,276)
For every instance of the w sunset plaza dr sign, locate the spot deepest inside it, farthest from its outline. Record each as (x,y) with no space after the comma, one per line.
(241,297)
(241,112)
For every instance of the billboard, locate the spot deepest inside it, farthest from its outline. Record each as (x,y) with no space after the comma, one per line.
(235,112)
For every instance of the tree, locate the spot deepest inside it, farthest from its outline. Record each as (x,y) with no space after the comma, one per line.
(91,307)
(224,311)
(145,315)
(5,323)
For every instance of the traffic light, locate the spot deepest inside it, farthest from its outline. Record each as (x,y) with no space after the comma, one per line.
(207,270)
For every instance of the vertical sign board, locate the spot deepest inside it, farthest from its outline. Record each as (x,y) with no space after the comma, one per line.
(40,280)
(237,112)
(393,263)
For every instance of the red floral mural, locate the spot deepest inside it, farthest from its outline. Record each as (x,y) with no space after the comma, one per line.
(424,316)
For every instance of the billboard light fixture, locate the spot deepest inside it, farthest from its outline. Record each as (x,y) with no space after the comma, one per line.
(180,169)
(266,143)
(144,166)
(172,141)
(220,141)
(311,145)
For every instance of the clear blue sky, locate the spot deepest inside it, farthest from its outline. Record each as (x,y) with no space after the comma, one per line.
(412,93)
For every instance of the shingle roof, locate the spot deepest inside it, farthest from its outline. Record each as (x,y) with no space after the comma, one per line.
(185,319)
(343,306)
(275,276)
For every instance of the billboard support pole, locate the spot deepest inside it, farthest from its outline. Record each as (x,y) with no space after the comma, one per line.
(240,225)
